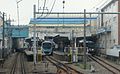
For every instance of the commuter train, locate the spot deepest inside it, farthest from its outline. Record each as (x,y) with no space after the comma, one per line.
(91,47)
(47,47)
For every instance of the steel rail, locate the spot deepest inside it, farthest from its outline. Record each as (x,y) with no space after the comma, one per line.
(22,67)
(107,63)
(14,65)
(56,64)
(68,68)
(23,71)
(99,62)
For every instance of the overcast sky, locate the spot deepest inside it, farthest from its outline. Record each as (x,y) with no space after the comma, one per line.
(26,7)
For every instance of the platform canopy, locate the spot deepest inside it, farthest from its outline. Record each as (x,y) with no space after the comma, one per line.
(54,21)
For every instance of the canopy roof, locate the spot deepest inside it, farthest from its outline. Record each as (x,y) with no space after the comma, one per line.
(60,20)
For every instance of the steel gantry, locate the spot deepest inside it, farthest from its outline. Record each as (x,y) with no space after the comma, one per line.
(84,13)
(78,13)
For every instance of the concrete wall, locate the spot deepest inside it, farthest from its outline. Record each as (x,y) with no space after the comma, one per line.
(108,39)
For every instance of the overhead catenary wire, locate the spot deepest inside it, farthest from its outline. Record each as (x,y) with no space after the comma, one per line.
(50,9)
(43,8)
(99,4)
(48,13)
(103,4)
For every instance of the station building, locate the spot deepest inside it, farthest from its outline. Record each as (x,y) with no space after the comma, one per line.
(0,36)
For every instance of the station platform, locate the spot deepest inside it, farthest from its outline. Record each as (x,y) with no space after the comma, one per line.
(66,57)
(29,55)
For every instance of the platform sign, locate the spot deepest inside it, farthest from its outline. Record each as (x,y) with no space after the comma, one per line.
(20,32)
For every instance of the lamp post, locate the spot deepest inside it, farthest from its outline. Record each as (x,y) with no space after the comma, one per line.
(85,56)
(3,33)
(63,11)
(18,10)
(34,44)
(18,16)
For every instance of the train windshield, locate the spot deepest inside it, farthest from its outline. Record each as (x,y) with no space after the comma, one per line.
(47,45)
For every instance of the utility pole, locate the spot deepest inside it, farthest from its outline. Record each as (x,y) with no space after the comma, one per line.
(3,33)
(85,57)
(9,35)
(18,10)
(34,44)
(63,11)
(18,15)
(38,5)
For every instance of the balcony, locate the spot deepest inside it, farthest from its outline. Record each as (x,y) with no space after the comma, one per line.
(104,29)
(108,29)
(101,30)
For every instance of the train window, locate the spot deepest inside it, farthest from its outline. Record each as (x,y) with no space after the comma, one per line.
(47,45)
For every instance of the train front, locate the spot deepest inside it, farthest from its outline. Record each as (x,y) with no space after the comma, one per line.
(47,48)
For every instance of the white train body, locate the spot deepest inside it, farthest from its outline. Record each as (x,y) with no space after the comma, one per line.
(114,51)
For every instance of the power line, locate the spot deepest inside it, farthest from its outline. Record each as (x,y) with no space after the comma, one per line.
(99,4)
(50,10)
(103,3)
(43,8)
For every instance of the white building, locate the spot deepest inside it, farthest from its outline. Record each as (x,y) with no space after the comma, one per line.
(108,28)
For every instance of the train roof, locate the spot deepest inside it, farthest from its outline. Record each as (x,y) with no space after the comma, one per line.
(47,42)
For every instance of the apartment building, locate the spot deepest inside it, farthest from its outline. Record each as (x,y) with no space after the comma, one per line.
(108,26)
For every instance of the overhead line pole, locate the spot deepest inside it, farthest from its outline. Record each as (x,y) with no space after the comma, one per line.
(34,44)
(85,58)
(63,11)
(38,5)
(18,15)
(18,10)
(3,36)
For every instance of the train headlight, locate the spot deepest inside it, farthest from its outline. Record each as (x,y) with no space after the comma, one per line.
(92,49)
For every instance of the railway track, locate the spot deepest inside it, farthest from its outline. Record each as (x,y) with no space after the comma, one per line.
(18,65)
(22,64)
(106,65)
(61,67)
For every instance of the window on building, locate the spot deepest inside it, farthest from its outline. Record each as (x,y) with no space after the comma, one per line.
(114,18)
(103,42)
(50,27)
(114,4)
(106,9)
(110,41)
(110,6)
(109,20)
(106,23)
(114,41)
